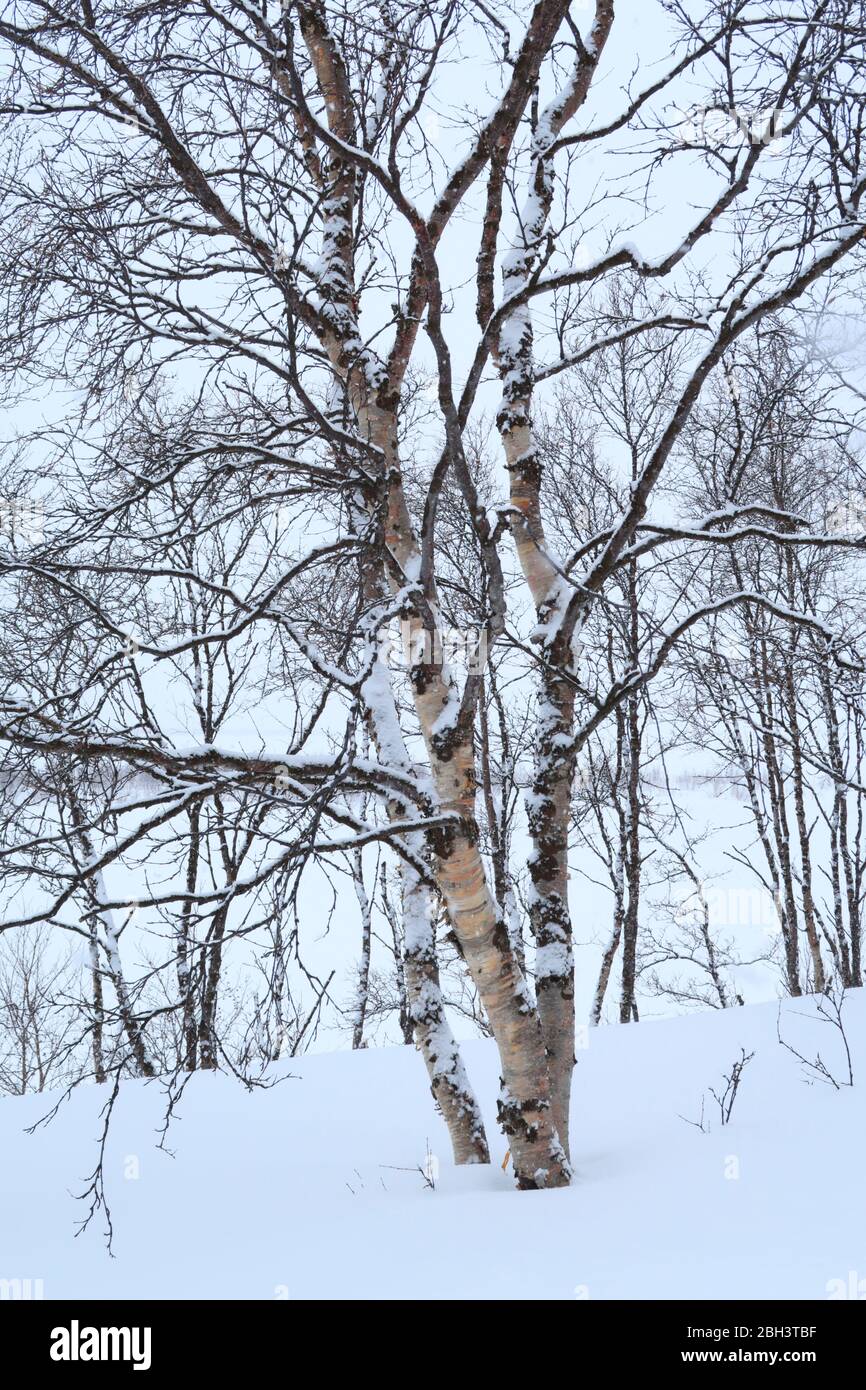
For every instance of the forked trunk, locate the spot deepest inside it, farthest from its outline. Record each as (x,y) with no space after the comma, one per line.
(525,1105)
(431,1030)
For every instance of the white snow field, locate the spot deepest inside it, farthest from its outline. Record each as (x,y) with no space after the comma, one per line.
(299,1191)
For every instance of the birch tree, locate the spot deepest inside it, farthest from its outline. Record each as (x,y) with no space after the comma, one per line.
(240,241)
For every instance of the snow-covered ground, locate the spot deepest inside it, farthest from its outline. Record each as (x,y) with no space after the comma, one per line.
(311,1189)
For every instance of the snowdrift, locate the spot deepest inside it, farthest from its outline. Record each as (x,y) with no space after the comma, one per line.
(313,1188)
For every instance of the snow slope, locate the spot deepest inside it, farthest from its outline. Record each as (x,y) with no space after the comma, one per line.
(299,1191)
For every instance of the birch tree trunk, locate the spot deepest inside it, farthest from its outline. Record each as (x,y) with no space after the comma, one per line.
(103,915)
(97,1008)
(628,1004)
(362,988)
(551,794)
(184,944)
(525,1101)
(449,1082)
